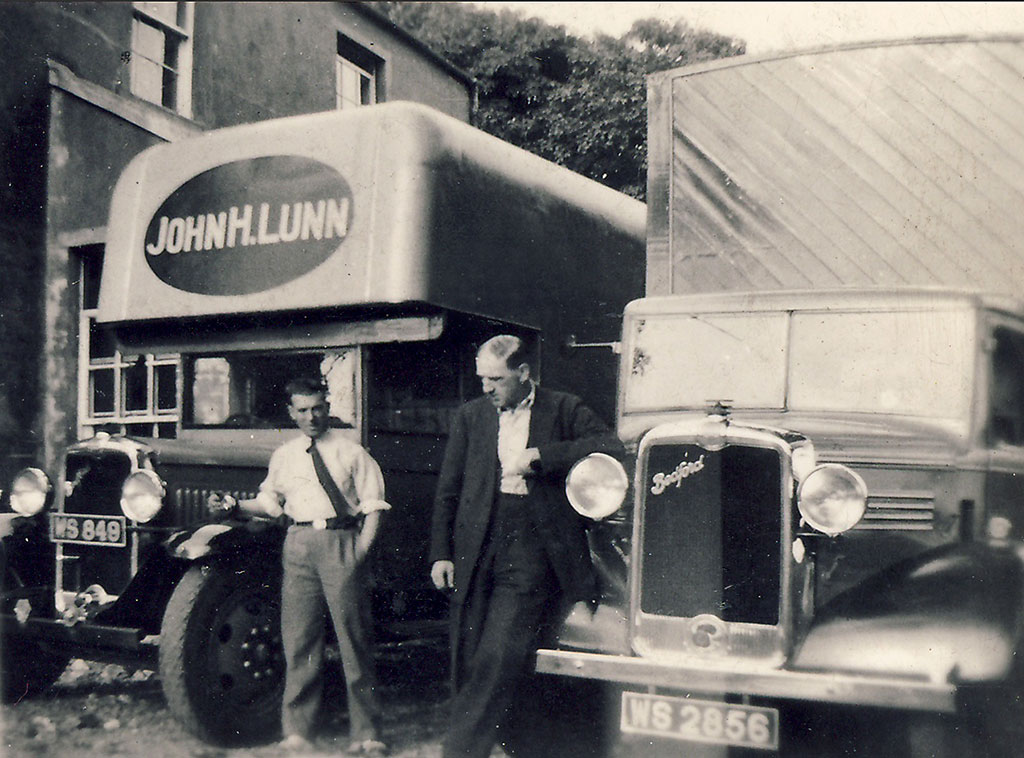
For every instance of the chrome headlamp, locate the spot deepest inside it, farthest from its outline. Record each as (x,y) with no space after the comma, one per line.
(596,486)
(28,491)
(142,496)
(832,498)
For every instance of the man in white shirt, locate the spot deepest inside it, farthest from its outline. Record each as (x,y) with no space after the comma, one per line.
(331,492)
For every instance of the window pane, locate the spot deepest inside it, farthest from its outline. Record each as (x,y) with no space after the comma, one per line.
(742,359)
(349,85)
(169,88)
(101,391)
(92,265)
(139,430)
(166,12)
(910,363)
(147,80)
(135,387)
(148,42)
(210,391)
(167,431)
(166,388)
(101,342)
(354,86)
(246,391)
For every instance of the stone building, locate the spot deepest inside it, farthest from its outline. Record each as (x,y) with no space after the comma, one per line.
(87,86)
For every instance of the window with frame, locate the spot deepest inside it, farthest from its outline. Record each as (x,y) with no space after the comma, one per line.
(127,394)
(161,54)
(357,75)
(1006,387)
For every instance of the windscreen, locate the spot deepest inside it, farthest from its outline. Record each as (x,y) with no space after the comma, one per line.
(901,362)
(691,361)
(248,391)
(916,363)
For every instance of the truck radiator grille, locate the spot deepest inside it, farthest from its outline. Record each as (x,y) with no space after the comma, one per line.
(189,503)
(94,487)
(899,512)
(711,533)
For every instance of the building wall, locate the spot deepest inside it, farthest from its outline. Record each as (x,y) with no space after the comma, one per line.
(280,62)
(69,125)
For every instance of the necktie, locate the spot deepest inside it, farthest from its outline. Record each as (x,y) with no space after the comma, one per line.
(330,486)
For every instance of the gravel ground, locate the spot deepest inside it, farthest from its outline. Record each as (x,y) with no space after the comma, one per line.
(105,710)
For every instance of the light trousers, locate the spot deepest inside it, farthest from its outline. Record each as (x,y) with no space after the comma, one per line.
(321,576)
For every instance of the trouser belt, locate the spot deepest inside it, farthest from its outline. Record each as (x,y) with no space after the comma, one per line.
(347,523)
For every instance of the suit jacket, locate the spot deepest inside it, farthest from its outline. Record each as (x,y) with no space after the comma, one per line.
(563,430)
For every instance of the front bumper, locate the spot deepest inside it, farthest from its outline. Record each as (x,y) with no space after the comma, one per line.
(909,694)
(84,640)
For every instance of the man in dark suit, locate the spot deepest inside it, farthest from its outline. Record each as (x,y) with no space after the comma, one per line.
(504,537)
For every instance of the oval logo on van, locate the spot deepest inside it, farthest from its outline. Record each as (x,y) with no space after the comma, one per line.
(249,226)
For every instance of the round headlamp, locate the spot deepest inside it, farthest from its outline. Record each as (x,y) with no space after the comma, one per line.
(142,496)
(832,498)
(596,486)
(28,491)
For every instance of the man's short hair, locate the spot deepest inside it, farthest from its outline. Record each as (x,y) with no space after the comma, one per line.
(509,348)
(305,385)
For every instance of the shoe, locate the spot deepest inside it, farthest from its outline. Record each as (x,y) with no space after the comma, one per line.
(296,743)
(369,748)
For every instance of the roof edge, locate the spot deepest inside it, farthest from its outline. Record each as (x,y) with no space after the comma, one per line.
(778,55)
(990,299)
(416,42)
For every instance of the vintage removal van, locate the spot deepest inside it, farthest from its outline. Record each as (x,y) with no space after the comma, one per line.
(821,551)
(375,248)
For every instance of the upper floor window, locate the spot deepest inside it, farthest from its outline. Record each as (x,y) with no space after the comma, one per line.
(357,75)
(161,56)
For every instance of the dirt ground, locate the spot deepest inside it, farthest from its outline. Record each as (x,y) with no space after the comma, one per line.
(105,710)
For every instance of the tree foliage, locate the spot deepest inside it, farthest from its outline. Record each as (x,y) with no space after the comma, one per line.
(579,102)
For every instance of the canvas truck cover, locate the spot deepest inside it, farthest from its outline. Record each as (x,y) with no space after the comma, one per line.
(882,164)
(384,205)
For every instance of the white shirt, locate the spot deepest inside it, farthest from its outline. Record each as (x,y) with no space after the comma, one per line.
(513,437)
(293,483)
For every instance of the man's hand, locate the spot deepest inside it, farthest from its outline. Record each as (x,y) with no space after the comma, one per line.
(442,573)
(523,464)
(220,505)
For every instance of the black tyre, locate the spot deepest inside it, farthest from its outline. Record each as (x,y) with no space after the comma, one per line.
(221,662)
(28,669)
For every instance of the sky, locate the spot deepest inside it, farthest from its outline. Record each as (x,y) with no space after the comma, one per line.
(768,27)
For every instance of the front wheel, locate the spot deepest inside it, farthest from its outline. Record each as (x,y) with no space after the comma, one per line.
(221,661)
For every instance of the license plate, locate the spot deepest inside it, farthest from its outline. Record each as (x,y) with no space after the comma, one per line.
(707,721)
(108,531)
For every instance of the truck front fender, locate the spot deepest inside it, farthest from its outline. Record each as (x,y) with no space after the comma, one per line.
(950,614)
(227,537)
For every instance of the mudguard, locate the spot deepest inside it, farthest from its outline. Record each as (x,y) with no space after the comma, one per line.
(950,614)
(26,554)
(227,538)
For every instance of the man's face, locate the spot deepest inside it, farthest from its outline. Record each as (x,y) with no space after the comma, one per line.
(505,387)
(310,414)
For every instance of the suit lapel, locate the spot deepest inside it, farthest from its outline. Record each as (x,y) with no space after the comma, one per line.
(542,419)
(489,444)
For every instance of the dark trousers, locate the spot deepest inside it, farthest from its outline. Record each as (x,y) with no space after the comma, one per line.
(510,609)
(320,574)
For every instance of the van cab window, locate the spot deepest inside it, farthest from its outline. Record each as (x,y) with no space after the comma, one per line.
(247,391)
(1006,393)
